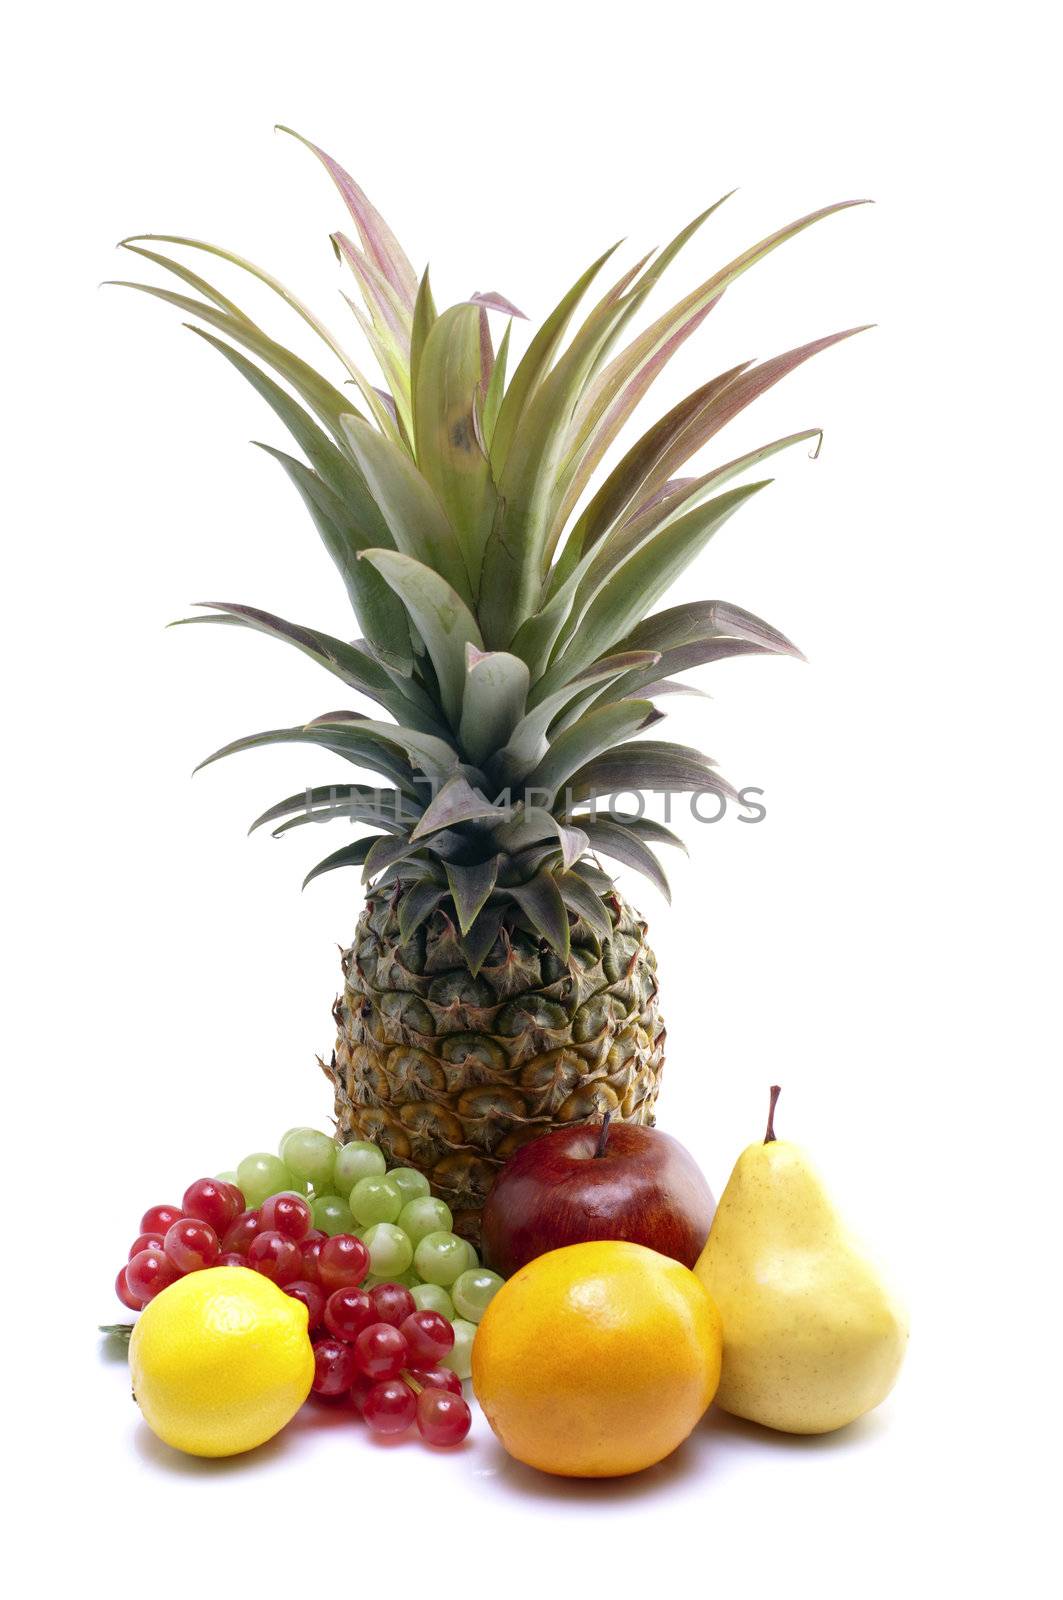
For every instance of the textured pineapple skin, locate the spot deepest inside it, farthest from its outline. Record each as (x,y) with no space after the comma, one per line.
(451,1073)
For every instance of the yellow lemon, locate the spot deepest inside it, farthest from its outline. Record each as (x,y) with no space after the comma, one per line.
(597,1360)
(221,1360)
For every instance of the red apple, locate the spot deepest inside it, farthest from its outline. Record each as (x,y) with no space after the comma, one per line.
(597,1181)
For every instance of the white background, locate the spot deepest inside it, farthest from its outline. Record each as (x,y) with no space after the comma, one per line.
(884,944)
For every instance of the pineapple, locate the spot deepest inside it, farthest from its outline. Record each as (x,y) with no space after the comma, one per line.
(504,589)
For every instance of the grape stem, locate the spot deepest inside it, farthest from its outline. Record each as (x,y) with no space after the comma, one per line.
(603,1137)
(408,1377)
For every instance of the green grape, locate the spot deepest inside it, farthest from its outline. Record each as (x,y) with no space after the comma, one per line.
(375,1200)
(425,1215)
(459,1359)
(412,1184)
(359,1159)
(260,1175)
(225,1177)
(390,1251)
(310,1157)
(473,1258)
(331,1214)
(430,1297)
(440,1258)
(474,1291)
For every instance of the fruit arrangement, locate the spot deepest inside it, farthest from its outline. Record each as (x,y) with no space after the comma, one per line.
(499,1042)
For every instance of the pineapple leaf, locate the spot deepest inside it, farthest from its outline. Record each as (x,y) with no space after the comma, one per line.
(425,316)
(297,305)
(435,757)
(417,904)
(613,840)
(418,523)
(380,243)
(647,828)
(592,874)
(540,900)
(657,765)
(595,733)
(376,812)
(470,887)
(386,853)
(535,362)
(328,461)
(456,802)
(379,612)
(326,794)
(625,597)
(532,824)
(495,389)
(666,447)
(528,743)
(351,855)
(645,347)
(476,945)
(344,661)
(681,494)
(582,900)
(517,548)
(627,478)
(442,617)
(186,275)
(449,453)
(322,397)
(493,701)
(373,753)
(698,620)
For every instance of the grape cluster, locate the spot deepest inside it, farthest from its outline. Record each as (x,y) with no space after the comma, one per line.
(393,1295)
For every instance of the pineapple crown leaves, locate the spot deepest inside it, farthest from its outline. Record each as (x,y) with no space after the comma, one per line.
(503,597)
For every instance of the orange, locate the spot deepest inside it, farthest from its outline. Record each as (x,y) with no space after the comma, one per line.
(597,1360)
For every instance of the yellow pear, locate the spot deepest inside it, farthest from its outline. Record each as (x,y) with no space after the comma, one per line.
(812,1337)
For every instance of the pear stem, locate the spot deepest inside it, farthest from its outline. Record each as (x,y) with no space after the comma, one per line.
(769,1132)
(603,1137)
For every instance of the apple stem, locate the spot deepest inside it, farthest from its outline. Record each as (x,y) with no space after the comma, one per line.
(603,1137)
(769,1134)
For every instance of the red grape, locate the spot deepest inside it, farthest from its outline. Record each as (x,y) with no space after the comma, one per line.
(380,1351)
(212,1200)
(436,1378)
(442,1418)
(315,1236)
(149,1272)
(231,1258)
(144,1241)
(389,1407)
(347,1312)
(393,1303)
(288,1214)
(311,1251)
(158,1218)
(313,1298)
(343,1262)
(429,1336)
(275,1257)
(333,1366)
(191,1245)
(243,1230)
(359,1389)
(125,1293)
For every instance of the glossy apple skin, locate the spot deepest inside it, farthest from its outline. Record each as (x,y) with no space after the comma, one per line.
(646,1188)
